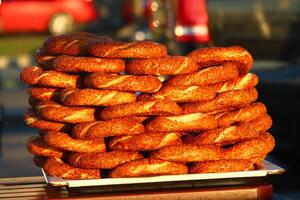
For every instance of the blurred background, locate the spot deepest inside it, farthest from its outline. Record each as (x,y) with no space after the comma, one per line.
(269,29)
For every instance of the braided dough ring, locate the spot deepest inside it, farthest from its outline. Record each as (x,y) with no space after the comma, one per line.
(250,148)
(105,160)
(87,64)
(138,49)
(169,65)
(34,121)
(141,108)
(211,75)
(37,146)
(63,141)
(224,100)
(112,127)
(94,97)
(43,59)
(220,166)
(127,83)
(36,76)
(206,57)
(188,122)
(148,167)
(246,113)
(247,149)
(43,93)
(182,94)
(56,167)
(232,134)
(246,81)
(71,44)
(56,112)
(145,141)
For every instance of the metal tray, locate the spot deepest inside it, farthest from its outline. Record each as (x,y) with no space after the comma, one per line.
(269,169)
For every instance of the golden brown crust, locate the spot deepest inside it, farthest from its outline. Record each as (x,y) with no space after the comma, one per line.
(112,127)
(56,167)
(38,147)
(244,114)
(56,112)
(206,57)
(44,93)
(87,64)
(203,77)
(36,76)
(145,141)
(94,97)
(220,166)
(250,148)
(72,44)
(224,100)
(189,153)
(148,167)
(187,122)
(182,94)
(127,83)
(169,65)
(105,160)
(138,49)
(246,81)
(34,121)
(246,149)
(259,124)
(141,108)
(64,141)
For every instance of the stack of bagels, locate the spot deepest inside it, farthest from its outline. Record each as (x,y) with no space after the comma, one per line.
(106,108)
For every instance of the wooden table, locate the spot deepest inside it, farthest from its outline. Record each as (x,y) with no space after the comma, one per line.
(35,188)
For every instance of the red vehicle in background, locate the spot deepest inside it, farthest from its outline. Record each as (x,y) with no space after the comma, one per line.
(56,16)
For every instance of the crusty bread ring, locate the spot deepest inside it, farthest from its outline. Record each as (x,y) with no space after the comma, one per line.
(250,148)
(143,108)
(169,65)
(138,49)
(206,57)
(56,112)
(112,127)
(37,146)
(105,160)
(246,113)
(182,94)
(32,101)
(56,167)
(259,124)
(127,83)
(34,121)
(232,134)
(94,97)
(87,64)
(148,167)
(145,141)
(229,99)
(44,93)
(246,81)
(43,59)
(211,75)
(36,76)
(245,149)
(64,141)
(188,153)
(220,166)
(71,44)
(187,122)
